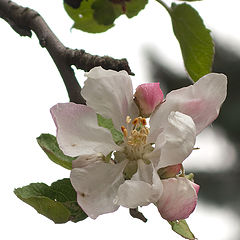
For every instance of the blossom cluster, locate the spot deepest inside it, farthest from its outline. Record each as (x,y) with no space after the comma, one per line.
(146,165)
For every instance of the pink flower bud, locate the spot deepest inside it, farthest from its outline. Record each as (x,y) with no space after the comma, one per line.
(147,97)
(196,187)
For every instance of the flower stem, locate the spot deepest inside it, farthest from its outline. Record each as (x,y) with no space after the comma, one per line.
(136,214)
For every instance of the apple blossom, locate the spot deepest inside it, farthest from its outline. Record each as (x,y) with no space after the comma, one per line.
(106,174)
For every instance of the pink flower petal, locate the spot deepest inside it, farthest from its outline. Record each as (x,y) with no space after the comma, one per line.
(196,187)
(96,186)
(110,94)
(144,188)
(78,132)
(201,101)
(147,97)
(178,200)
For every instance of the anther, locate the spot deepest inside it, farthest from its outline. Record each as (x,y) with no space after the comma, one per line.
(128,119)
(144,121)
(144,138)
(143,131)
(124,130)
(134,132)
(135,121)
(147,130)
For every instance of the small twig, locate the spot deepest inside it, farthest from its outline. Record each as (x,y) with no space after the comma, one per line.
(136,214)
(25,20)
(82,60)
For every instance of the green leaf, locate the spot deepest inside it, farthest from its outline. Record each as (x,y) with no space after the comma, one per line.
(50,146)
(57,202)
(40,197)
(83,18)
(95,16)
(181,228)
(105,12)
(73,3)
(66,194)
(107,123)
(194,39)
(133,7)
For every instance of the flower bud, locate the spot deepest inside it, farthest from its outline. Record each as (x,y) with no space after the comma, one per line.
(196,187)
(147,97)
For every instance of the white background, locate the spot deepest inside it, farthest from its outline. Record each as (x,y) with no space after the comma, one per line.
(30,85)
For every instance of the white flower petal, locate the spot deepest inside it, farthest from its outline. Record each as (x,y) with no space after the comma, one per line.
(175,143)
(144,188)
(96,186)
(84,160)
(78,132)
(201,101)
(178,200)
(110,94)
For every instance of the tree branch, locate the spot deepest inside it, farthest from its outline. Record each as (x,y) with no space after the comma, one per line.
(85,61)
(25,20)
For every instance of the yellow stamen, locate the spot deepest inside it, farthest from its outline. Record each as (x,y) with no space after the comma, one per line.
(134,132)
(144,138)
(135,121)
(124,130)
(144,131)
(128,119)
(144,121)
(148,131)
(138,135)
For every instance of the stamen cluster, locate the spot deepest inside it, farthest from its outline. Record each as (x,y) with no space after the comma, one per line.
(139,132)
(136,141)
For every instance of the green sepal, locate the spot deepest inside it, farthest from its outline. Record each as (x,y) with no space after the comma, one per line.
(130,169)
(194,38)
(49,145)
(169,171)
(190,177)
(107,123)
(57,202)
(181,227)
(107,158)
